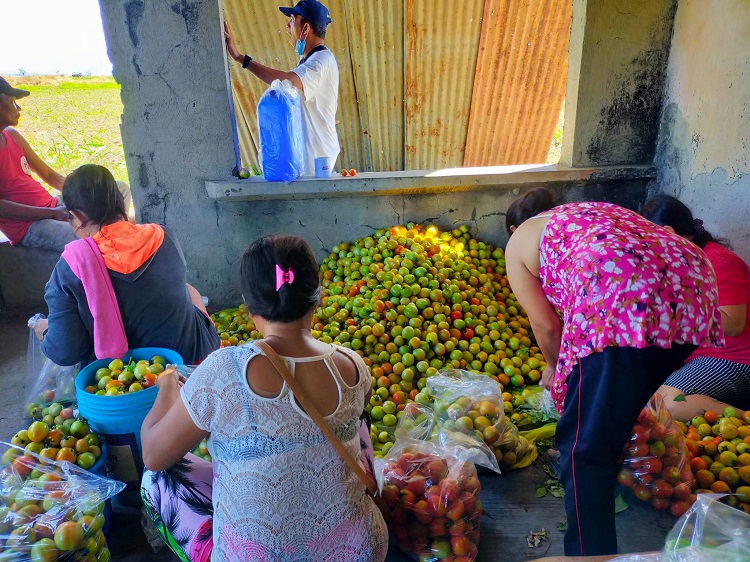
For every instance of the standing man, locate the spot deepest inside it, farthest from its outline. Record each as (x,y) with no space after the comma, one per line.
(316,76)
(29,215)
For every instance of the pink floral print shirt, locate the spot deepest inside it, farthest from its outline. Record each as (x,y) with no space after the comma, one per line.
(617,279)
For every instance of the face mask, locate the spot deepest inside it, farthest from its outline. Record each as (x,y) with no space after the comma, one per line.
(299,48)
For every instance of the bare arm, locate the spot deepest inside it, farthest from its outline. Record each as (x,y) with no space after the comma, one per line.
(168,432)
(685,407)
(733,318)
(48,175)
(21,212)
(521,251)
(265,73)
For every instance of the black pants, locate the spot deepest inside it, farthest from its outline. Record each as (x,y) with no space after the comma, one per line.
(606,392)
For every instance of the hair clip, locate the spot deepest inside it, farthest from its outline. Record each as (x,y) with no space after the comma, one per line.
(283,277)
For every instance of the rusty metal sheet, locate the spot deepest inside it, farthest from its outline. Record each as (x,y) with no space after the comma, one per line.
(348,124)
(423,84)
(442,42)
(376,32)
(520,79)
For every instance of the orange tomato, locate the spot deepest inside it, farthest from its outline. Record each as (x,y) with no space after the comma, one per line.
(68,535)
(67,454)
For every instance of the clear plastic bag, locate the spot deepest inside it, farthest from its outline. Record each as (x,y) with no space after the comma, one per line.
(656,463)
(47,382)
(538,402)
(51,510)
(433,493)
(469,412)
(707,532)
(282,140)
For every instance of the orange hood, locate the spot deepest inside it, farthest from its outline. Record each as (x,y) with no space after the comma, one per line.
(125,247)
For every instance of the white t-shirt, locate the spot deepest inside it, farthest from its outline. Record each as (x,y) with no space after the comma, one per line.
(319,75)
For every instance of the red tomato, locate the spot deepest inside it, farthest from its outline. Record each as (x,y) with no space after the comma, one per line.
(626,478)
(642,492)
(661,489)
(460,546)
(660,503)
(640,434)
(678,508)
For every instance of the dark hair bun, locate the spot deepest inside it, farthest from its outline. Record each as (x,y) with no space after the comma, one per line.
(258,278)
(530,204)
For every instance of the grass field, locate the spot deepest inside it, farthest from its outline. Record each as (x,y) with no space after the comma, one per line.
(73,121)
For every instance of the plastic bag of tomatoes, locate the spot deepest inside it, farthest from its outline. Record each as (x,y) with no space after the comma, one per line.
(656,463)
(51,510)
(45,381)
(709,531)
(433,495)
(469,410)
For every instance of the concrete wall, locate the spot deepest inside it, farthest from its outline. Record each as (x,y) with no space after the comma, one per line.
(703,154)
(176,123)
(618,56)
(177,134)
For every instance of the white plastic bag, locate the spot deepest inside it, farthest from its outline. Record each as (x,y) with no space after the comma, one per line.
(47,382)
(282,138)
(709,531)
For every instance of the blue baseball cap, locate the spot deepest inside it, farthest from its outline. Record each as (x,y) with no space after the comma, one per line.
(310,10)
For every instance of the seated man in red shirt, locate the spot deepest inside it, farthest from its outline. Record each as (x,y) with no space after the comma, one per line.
(29,215)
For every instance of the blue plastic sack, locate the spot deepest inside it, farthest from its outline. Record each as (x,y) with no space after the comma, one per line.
(282,142)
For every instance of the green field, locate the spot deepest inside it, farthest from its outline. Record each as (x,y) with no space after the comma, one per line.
(73,121)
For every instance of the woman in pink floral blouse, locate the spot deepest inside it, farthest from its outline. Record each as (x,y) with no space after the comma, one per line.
(616,304)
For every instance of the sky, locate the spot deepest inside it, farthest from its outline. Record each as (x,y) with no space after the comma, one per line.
(52,36)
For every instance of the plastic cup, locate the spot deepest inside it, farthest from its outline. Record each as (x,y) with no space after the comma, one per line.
(323,167)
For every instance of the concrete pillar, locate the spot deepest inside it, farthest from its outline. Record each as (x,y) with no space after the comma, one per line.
(617,59)
(176,123)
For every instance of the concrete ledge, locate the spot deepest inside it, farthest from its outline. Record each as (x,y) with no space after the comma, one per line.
(23,275)
(373,184)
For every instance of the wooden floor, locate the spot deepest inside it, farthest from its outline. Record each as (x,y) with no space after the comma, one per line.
(511,508)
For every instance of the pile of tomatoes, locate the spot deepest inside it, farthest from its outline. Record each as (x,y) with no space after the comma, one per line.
(719,446)
(121,377)
(55,434)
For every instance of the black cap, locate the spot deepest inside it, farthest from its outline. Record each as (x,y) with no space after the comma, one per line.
(311,10)
(8,90)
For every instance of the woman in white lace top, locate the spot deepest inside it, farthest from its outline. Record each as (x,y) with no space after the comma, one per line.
(279,490)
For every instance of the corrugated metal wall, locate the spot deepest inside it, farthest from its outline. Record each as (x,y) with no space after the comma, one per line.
(424,84)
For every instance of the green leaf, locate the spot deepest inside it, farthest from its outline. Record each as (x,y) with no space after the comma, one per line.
(562,526)
(541,491)
(620,504)
(679,398)
(557,492)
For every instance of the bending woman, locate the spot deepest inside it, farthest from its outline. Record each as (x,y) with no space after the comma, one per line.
(616,304)
(142,302)
(280,490)
(711,379)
